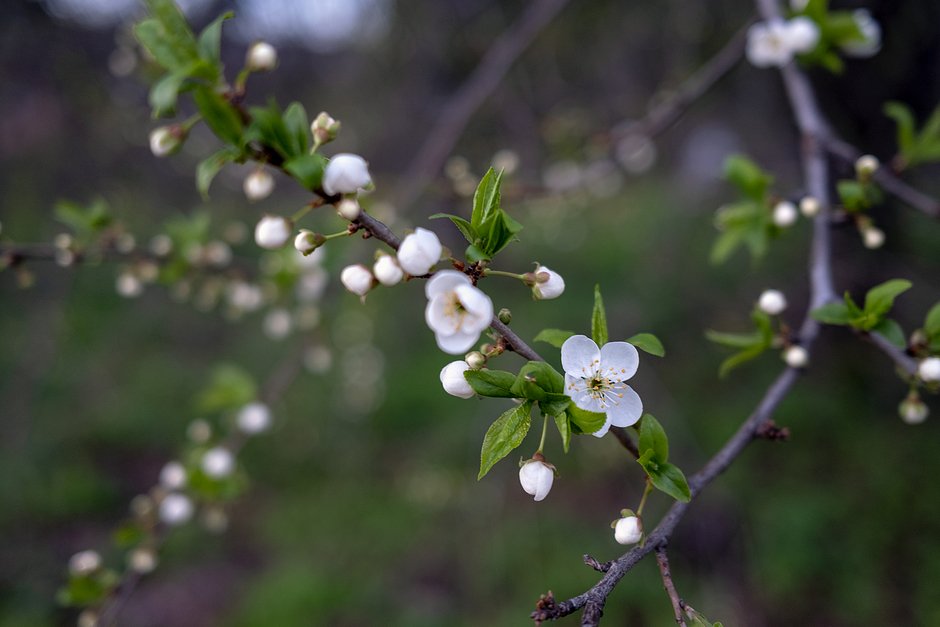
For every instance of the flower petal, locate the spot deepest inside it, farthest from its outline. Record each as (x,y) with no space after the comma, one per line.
(456,343)
(437,317)
(478,305)
(624,411)
(603,430)
(619,360)
(577,389)
(444,281)
(579,356)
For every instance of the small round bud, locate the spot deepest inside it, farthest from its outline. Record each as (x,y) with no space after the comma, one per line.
(809,206)
(796,356)
(628,530)
(161,245)
(912,410)
(346,174)
(307,241)
(199,431)
(504,316)
(84,563)
(258,185)
(324,128)
(277,324)
(357,279)
(88,618)
(217,253)
(549,284)
(254,418)
(929,370)
(873,238)
(475,360)
(866,166)
(261,57)
(176,509)
(128,285)
(453,380)
(142,560)
(348,209)
(536,478)
(166,140)
(772,302)
(419,251)
(387,270)
(785,214)
(218,462)
(173,476)
(273,232)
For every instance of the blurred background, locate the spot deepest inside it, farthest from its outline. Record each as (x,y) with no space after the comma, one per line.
(363,506)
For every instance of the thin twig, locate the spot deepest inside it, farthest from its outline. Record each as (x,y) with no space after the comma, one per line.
(625,440)
(903,361)
(663,560)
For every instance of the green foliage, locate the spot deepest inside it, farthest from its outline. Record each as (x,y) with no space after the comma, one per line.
(229,388)
(491,383)
(649,343)
(563,423)
(490,228)
(836,29)
(873,315)
(307,169)
(599,318)
(86,221)
(750,345)
(748,177)
(747,222)
(555,337)
(915,147)
(654,458)
(219,115)
(87,590)
(583,421)
(858,195)
(504,435)
(212,165)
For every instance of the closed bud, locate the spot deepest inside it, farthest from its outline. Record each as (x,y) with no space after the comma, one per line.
(504,316)
(142,560)
(772,302)
(307,241)
(173,476)
(357,279)
(873,237)
(258,185)
(419,251)
(866,166)
(628,530)
(84,563)
(537,477)
(88,618)
(176,509)
(796,356)
(785,214)
(809,206)
(549,284)
(254,418)
(348,209)
(346,174)
(324,128)
(912,410)
(387,270)
(218,462)
(454,382)
(929,370)
(475,360)
(261,57)
(165,140)
(273,232)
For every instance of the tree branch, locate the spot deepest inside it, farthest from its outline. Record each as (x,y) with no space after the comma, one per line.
(677,604)
(898,356)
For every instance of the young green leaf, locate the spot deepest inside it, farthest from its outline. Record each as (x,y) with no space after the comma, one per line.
(832,313)
(747,176)
(505,434)
(554,404)
(210,38)
(465,228)
(555,337)
(486,200)
(670,479)
(880,299)
(932,322)
(491,383)
(564,429)
(219,115)
(892,332)
(298,128)
(230,388)
(210,166)
(649,343)
(536,379)
(307,169)
(740,358)
(599,318)
(585,421)
(653,439)
(735,340)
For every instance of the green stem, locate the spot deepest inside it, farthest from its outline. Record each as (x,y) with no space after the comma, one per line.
(190,122)
(544,431)
(302,212)
(241,80)
(490,272)
(343,233)
(646,493)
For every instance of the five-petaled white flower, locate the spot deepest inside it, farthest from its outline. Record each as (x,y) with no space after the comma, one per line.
(457,311)
(595,379)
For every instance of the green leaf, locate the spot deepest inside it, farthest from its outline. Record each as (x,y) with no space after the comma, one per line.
(740,358)
(153,36)
(474,254)
(599,318)
(307,169)
(585,421)
(210,166)
(87,220)
(268,126)
(165,92)
(555,337)
(892,332)
(230,388)
(747,176)
(833,313)
(764,325)
(649,343)
(653,440)
(670,479)
(219,115)
(735,340)
(505,434)
(554,404)
(536,379)
(904,118)
(564,429)
(298,128)
(486,200)
(465,228)
(492,383)
(932,322)
(726,244)
(210,39)
(880,299)
(853,195)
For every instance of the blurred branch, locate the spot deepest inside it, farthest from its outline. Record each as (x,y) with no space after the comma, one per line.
(886,179)
(624,438)
(898,356)
(663,560)
(454,116)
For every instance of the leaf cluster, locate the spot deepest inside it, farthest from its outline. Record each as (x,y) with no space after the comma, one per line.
(872,315)
(915,146)
(749,346)
(654,458)
(747,222)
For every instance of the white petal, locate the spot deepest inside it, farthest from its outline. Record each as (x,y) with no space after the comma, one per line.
(623,412)
(439,321)
(445,281)
(622,357)
(577,389)
(603,430)
(478,305)
(456,343)
(579,355)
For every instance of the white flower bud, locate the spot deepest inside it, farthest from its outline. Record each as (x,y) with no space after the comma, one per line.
(357,279)
(277,324)
(142,561)
(419,251)
(553,287)
(536,478)
(628,530)
(165,140)
(161,245)
(348,209)
(254,418)
(128,285)
(929,369)
(802,34)
(307,241)
(475,360)
(453,380)
(346,174)
(913,411)
(796,356)
(258,185)
(261,57)
(785,214)
(871,36)
(273,232)
(324,128)
(84,563)
(88,618)
(176,509)
(772,302)
(809,206)
(873,238)
(387,270)
(173,476)
(866,166)
(218,462)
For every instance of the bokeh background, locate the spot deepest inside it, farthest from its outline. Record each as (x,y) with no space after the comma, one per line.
(363,507)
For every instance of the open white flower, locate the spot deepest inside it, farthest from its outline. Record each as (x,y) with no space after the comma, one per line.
(929,370)
(552,288)
(768,44)
(419,251)
(536,478)
(457,311)
(346,174)
(454,382)
(595,379)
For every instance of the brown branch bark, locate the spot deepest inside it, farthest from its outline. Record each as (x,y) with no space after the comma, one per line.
(663,560)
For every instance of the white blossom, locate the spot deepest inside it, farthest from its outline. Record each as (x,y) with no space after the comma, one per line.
(873,237)
(457,311)
(772,302)
(553,287)
(307,241)
(173,476)
(798,5)
(254,418)
(809,206)
(128,285)
(536,478)
(165,140)
(628,530)
(913,411)
(785,214)
(261,57)
(244,296)
(273,232)
(142,560)
(768,44)
(595,379)
(866,165)
(419,251)
(348,209)
(802,34)
(346,174)
(870,43)
(176,509)
(357,279)
(218,462)
(929,369)
(453,380)
(796,356)
(387,270)
(258,185)
(84,562)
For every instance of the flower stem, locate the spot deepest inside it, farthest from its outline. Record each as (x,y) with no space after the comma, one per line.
(190,122)
(646,493)
(343,233)
(490,272)
(544,431)
(302,212)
